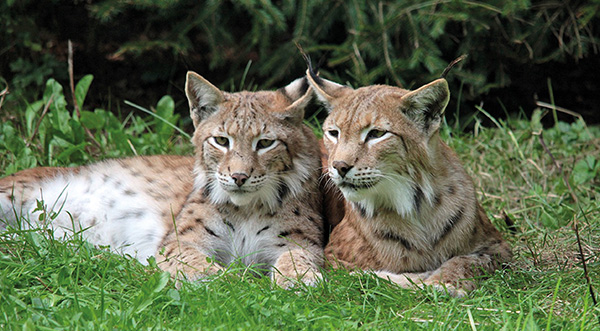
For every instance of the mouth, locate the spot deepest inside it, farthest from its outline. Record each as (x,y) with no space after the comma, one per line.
(350,186)
(356,187)
(239,190)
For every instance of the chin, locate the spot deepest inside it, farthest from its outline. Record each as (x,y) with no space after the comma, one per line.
(240,199)
(354,195)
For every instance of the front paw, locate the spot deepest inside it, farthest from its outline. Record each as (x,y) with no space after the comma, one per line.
(184,272)
(448,289)
(309,278)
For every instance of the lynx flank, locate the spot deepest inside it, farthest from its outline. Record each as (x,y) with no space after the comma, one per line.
(250,193)
(412,214)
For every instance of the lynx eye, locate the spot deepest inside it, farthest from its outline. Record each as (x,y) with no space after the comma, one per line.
(333,133)
(264,143)
(374,134)
(223,141)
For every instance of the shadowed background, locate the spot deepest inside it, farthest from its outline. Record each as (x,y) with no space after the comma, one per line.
(139,50)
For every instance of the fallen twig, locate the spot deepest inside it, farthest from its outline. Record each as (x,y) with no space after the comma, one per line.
(3,94)
(75,105)
(37,125)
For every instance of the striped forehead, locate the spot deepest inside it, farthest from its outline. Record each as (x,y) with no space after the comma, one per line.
(363,107)
(250,113)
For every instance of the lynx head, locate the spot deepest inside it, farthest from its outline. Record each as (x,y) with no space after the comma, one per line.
(252,147)
(382,142)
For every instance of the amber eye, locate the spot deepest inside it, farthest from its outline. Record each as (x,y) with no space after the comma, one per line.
(374,134)
(333,133)
(264,143)
(223,141)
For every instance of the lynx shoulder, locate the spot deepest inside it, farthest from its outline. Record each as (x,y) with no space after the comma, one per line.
(250,194)
(411,212)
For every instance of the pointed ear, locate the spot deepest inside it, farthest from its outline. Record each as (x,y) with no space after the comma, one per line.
(326,90)
(425,105)
(203,97)
(299,93)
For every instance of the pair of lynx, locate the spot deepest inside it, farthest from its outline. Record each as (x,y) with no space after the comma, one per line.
(252,192)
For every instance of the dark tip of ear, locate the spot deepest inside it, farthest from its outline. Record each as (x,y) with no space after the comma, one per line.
(452,64)
(298,93)
(311,71)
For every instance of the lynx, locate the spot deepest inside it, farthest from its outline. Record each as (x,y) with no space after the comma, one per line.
(411,211)
(250,194)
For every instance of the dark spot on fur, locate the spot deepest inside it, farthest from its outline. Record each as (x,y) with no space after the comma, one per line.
(361,210)
(282,192)
(451,190)
(170,251)
(199,220)
(129,192)
(206,191)
(388,235)
(150,237)
(437,200)
(280,244)
(403,143)
(211,232)
(186,229)
(417,198)
(226,222)
(190,211)
(263,229)
(290,232)
(296,211)
(164,240)
(450,223)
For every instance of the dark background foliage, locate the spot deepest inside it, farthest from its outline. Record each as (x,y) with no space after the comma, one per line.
(139,50)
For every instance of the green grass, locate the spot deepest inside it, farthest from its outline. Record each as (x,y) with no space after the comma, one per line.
(69,284)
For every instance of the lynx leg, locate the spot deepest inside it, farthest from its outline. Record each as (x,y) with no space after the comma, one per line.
(404,280)
(296,265)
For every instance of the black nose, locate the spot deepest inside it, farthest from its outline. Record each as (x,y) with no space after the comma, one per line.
(239,178)
(341,167)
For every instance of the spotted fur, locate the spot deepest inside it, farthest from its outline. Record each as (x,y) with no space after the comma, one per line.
(250,194)
(411,212)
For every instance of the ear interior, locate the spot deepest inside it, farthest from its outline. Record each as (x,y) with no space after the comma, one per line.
(326,90)
(425,105)
(300,94)
(203,97)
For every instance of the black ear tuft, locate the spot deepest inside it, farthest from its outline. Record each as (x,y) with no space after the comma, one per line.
(452,64)
(311,71)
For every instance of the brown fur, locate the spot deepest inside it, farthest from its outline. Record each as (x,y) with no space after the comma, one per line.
(412,215)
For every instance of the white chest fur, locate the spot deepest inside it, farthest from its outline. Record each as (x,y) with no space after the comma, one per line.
(252,241)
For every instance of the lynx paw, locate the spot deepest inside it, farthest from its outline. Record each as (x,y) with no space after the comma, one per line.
(310,278)
(449,289)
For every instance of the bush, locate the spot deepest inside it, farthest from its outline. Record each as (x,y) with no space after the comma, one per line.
(140,49)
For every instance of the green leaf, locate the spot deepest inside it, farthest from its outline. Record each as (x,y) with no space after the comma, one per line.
(31,112)
(165,106)
(92,120)
(82,88)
